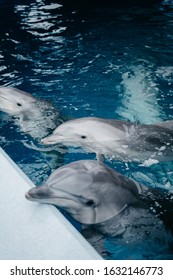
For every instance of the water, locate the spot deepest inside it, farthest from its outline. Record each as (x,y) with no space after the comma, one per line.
(96,60)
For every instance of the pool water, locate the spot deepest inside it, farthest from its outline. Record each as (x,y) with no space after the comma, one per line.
(107,60)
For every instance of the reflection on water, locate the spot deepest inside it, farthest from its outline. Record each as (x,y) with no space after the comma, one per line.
(112,62)
(140,95)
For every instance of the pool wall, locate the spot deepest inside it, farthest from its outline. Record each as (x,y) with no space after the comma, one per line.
(31,230)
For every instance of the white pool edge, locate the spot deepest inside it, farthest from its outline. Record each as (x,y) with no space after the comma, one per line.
(48,233)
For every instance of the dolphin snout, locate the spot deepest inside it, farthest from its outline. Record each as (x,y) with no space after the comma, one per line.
(52,139)
(37,193)
(49,140)
(28,196)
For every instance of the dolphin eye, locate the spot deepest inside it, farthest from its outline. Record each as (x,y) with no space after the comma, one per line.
(83,137)
(90,202)
(19,104)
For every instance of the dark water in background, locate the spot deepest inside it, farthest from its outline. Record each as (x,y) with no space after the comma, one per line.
(112,61)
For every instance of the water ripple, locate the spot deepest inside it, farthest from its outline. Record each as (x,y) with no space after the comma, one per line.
(38,20)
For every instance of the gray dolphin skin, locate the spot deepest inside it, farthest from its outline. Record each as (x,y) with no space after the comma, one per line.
(36,117)
(88,190)
(122,140)
(93,193)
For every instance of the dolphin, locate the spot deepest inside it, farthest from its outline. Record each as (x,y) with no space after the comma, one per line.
(122,140)
(84,186)
(36,117)
(99,197)
(92,192)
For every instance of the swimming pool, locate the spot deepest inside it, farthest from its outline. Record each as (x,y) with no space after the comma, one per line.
(109,61)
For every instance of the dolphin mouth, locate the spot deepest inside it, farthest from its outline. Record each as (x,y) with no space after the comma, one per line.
(43,192)
(67,202)
(48,140)
(4,105)
(56,140)
(2,97)
(38,193)
(28,196)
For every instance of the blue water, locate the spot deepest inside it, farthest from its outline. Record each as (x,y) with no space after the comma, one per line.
(111,61)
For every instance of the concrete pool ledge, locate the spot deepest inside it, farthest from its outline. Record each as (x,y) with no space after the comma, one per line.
(31,230)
